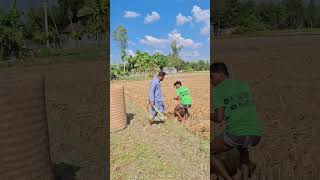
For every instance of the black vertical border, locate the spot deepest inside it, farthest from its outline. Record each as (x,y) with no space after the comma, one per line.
(211,61)
(107,94)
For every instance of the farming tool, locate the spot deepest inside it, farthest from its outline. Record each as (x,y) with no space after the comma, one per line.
(163,117)
(158,112)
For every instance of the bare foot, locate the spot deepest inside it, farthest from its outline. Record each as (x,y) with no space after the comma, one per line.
(150,122)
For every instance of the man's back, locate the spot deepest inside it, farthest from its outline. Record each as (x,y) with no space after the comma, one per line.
(184,94)
(240,110)
(155,93)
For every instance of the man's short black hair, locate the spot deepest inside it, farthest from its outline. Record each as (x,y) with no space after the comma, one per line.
(177,82)
(162,74)
(219,68)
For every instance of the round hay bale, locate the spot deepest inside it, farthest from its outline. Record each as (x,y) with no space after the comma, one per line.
(118,116)
(24,134)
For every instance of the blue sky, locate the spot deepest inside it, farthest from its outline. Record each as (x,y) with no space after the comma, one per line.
(152,25)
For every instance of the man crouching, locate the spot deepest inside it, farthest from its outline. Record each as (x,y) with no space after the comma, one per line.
(233,103)
(183,95)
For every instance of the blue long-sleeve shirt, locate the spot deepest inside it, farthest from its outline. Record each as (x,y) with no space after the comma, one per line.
(155,93)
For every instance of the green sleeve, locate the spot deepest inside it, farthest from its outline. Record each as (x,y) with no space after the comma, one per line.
(177,92)
(217,99)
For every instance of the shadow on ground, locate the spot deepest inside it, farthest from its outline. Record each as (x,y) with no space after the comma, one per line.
(130,117)
(158,122)
(65,171)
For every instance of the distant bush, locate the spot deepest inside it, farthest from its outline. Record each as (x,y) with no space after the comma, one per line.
(251,16)
(188,69)
(48,52)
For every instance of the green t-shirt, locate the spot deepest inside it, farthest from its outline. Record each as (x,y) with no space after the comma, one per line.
(240,110)
(184,94)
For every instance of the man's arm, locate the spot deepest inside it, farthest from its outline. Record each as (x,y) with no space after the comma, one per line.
(177,95)
(151,92)
(218,115)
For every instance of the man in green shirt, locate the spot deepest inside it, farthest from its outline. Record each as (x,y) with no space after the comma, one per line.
(233,103)
(183,95)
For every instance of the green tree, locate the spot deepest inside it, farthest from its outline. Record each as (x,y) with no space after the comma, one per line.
(34,26)
(252,15)
(250,23)
(12,40)
(202,65)
(120,35)
(69,10)
(147,63)
(231,13)
(96,10)
(175,49)
(218,16)
(132,64)
(114,71)
(76,37)
(281,19)
(311,13)
(161,60)
(174,56)
(295,10)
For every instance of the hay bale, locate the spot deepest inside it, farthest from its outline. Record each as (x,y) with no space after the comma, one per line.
(24,151)
(118,116)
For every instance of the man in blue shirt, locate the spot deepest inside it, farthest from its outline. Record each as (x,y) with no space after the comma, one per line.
(155,95)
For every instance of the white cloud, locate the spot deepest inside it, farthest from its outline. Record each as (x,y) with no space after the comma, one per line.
(130,14)
(202,16)
(205,29)
(158,51)
(131,43)
(154,16)
(193,56)
(154,42)
(175,35)
(130,52)
(180,19)
(190,55)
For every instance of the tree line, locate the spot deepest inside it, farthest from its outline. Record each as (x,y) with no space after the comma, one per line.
(249,15)
(143,62)
(17,28)
(149,64)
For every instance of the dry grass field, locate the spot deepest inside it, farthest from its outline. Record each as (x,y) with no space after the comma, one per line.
(75,96)
(198,84)
(284,75)
(171,150)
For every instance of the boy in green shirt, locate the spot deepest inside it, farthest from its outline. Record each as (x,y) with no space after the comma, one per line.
(183,95)
(233,103)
